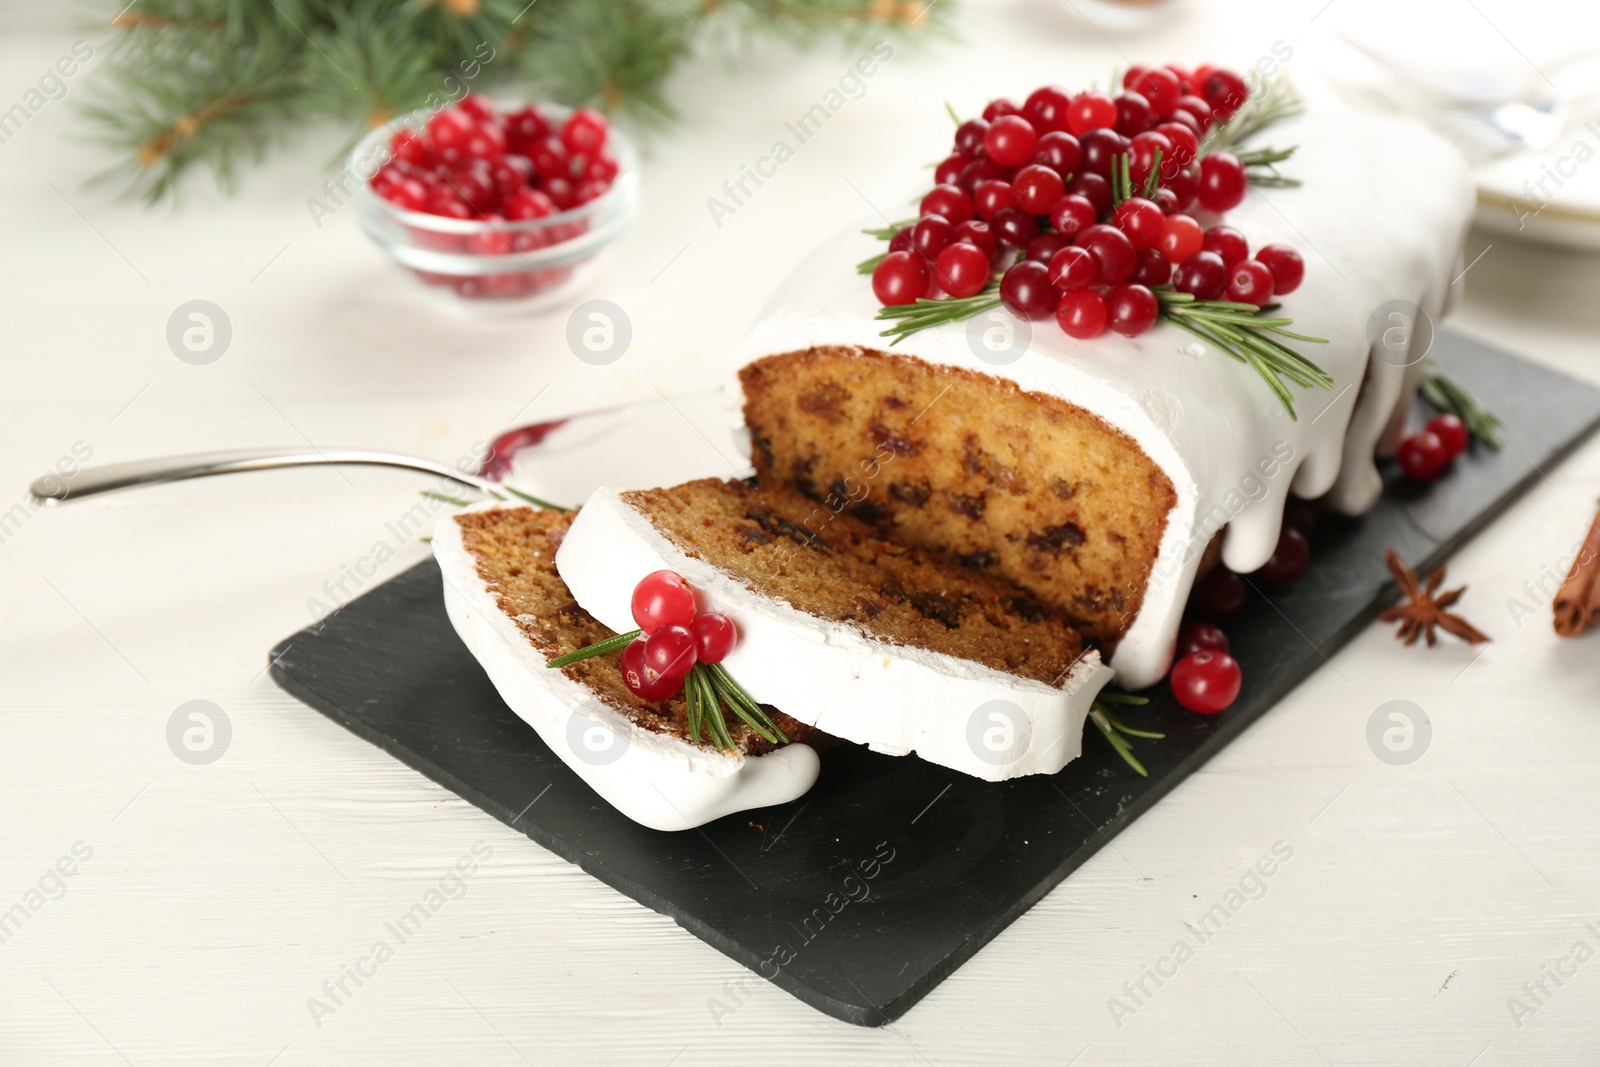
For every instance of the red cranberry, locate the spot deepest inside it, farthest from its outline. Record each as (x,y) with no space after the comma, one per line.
(1222,181)
(977,233)
(1001,106)
(1288,560)
(950,203)
(961,269)
(1185,185)
(1228,243)
(1287,268)
(1059,151)
(1142,157)
(525,127)
(584,131)
(1167,201)
(662,598)
(900,278)
(948,172)
(1045,246)
(1027,291)
(992,197)
(1082,314)
(1220,595)
(670,651)
(1197,107)
(1073,268)
(1249,282)
(1072,214)
(969,137)
(1152,268)
(1180,238)
(1141,220)
(1048,108)
(1093,188)
(1185,145)
(1451,432)
(714,636)
(1159,87)
(1112,251)
(1203,275)
(1100,148)
(1225,91)
(930,235)
(1131,309)
(641,680)
(1423,456)
(1092,110)
(1036,188)
(1196,636)
(1015,227)
(1010,140)
(528,204)
(478,106)
(409,147)
(449,130)
(1206,682)
(1133,113)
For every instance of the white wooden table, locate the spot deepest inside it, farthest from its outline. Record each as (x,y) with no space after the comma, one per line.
(209,904)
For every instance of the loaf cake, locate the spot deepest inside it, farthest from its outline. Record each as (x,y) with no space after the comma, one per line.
(515,614)
(866,638)
(1094,474)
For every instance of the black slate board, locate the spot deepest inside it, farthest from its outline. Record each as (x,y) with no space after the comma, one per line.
(863,895)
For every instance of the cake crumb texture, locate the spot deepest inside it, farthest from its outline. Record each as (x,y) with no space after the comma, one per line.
(515,551)
(1021,486)
(830,564)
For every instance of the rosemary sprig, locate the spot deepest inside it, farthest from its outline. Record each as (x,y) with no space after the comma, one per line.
(884,233)
(1114,730)
(1260,166)
(1273,102)
(615,643)
(1245,332)
(529,498)
(1450,397)
(925,313)
(708,688)
(445,497)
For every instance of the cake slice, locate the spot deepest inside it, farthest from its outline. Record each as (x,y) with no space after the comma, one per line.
(514,613)
(862,637)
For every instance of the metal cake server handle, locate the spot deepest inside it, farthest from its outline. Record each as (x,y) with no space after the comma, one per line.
(91,481)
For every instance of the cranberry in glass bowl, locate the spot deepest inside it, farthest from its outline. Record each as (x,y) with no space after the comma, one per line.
(504,224)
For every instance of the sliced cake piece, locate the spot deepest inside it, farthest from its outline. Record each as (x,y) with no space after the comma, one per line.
(512,610)
(866,639)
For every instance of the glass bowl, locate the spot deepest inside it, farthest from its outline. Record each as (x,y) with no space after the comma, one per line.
(477,267)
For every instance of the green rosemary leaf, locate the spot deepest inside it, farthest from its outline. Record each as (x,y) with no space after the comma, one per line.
(531,499)
(1152,181)
(1098,717)
(1450,397)
(884,233)
(717,724)
(615,643)
(1123,728)
(1117,696)
(743,704)
(691,705)
(948,110)
(457,501)
(870,264)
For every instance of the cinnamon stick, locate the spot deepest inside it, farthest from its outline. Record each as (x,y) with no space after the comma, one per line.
(1577,602)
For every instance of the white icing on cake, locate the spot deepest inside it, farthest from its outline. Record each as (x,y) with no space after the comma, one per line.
(1380,218)
(660,781)
(892,698)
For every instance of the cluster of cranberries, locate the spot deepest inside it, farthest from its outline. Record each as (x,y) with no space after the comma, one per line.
(473,163)
(1204,677)
(1425,455)
(1027,193)
(676,637)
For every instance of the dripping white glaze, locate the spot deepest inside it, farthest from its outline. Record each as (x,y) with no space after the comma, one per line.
(657,780)
(895,699)
(1380,217)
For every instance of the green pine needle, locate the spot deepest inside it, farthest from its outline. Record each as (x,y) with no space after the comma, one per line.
(615,643)
(1451,398)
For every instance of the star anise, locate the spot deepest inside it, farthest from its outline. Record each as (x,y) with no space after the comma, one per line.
(1424,607)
